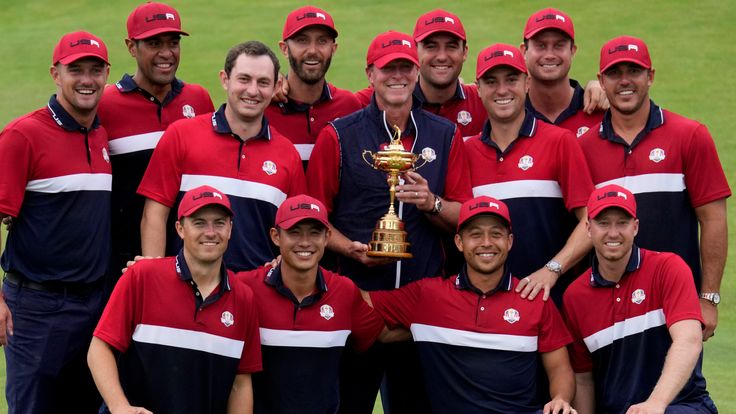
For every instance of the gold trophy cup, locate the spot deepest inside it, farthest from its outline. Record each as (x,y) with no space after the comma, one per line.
(389,237)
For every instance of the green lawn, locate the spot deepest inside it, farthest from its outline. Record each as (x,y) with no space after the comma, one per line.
(688,42)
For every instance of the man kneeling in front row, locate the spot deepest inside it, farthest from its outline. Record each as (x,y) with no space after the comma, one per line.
(478,340)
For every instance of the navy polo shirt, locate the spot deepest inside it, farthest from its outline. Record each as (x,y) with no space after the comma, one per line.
(478,350)
(257,174)
(55,180)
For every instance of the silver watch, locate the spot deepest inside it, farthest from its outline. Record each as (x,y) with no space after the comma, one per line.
(437,206)
(554,266)
(712,297)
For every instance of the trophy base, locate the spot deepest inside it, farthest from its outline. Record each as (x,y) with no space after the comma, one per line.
(387,242)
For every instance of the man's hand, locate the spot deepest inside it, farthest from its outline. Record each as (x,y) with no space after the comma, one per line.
(281,94)
(136,260)
(130,410)
(415,190)
(8,222)
(558,406)
(647,407)
(594,97)
(542,279)
(273,263)
(710,317)
(6,322)
(358,252)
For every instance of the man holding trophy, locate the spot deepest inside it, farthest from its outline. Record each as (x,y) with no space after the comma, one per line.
(350,171)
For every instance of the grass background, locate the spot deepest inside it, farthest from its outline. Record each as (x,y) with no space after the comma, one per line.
(690,42)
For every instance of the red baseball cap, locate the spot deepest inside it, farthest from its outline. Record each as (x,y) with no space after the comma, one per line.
(298,208)
(499,55)
(625,49)
(611,195)
(77,45)
(549,19)
(201,196)
(389,46)
(307,16)
(438,21)
(150,19)
(483,205)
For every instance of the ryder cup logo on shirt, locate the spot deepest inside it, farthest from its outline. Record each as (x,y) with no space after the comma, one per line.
(428,154)
(526,162)
(227,319)
(105,155)
(582,130)
(269,167)
(326,312)
(464,118)
(657,155)
(511,315)
(187,111)
(638,296)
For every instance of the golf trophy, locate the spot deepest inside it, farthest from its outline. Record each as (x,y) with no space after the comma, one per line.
(389,237)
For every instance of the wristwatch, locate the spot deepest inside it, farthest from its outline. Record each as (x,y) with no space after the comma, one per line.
(712,297)
(437,206)
(554,266)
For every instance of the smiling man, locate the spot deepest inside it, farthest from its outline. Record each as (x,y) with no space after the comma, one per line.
(136,111)
(308,316)
(309,42)
(479,341)
(233,149)
(55,182)
(538,169)
(356,196)
(671,165)
(635,319)
(170,361)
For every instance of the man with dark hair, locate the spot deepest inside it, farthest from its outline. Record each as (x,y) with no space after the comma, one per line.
(549,47)
(671,165)
(308,316)
(308,41)
(137,110)
(478,340)
(233,149)
(635,319)
(536,168)
(356,196)
(171,362)
(55,181)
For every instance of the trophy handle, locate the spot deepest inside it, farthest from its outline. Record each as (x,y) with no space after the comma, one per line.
(422,164)
(371,163)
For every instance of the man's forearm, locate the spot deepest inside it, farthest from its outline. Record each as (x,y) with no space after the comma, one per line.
(153,229)
(103,366)
(679,362)
(584,401)
(241,396)
(713,244)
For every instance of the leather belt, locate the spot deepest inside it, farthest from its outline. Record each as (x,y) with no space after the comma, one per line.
(53,286)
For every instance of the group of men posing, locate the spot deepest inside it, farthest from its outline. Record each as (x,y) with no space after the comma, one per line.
(209,329)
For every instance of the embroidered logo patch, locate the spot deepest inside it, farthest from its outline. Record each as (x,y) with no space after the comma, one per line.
(582,130)
(464,118)
(429,154)
(188,111)
(269,167)
(657,155)
(105,155)
(511,315)
(326,312)
(638,296)
(227,319)
(526,162)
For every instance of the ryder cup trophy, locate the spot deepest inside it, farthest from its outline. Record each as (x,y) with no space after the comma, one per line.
(389,237)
